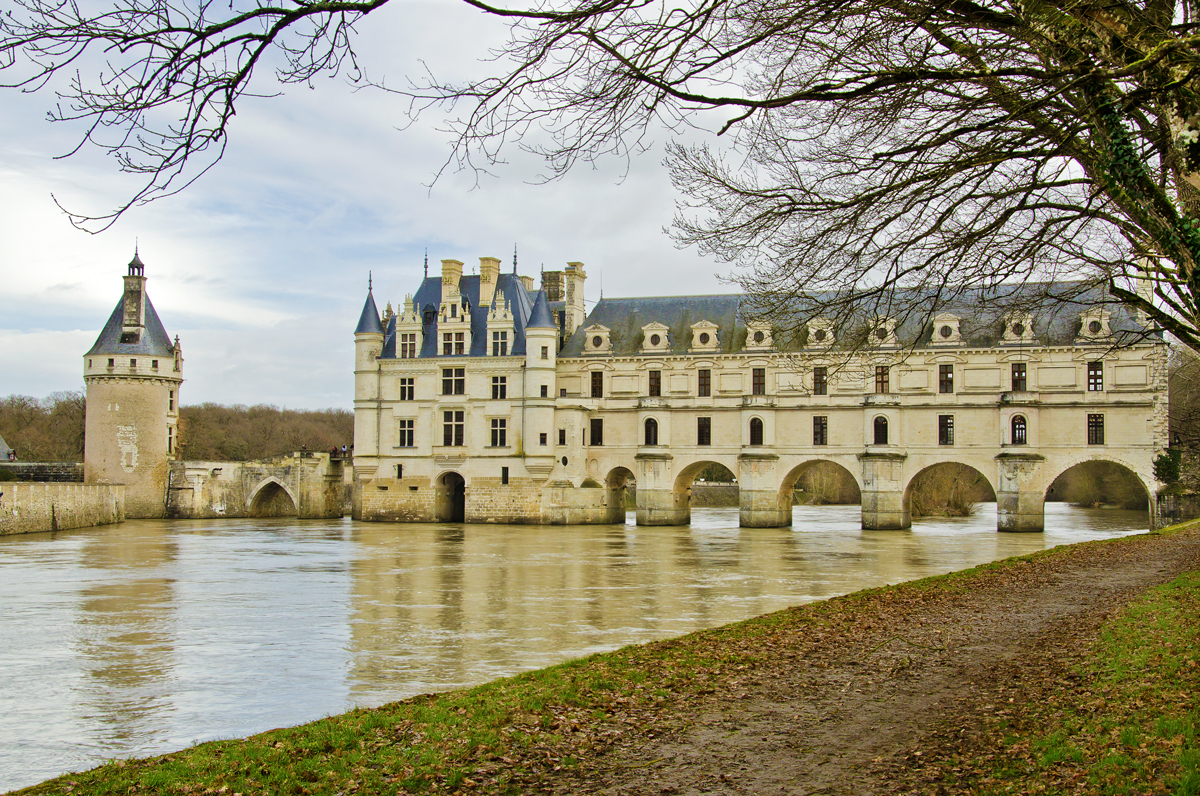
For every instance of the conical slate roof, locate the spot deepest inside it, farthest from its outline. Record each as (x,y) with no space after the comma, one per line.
(154,341)
(368,322)
(541,318)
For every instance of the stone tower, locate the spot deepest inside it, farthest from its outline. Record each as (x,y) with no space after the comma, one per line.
(133,373)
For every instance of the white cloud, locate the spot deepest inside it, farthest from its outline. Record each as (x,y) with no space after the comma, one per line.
(261,266)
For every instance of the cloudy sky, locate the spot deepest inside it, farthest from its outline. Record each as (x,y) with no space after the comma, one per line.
(261,266)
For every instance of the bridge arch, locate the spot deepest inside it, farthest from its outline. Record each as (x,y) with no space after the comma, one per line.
(951,488)
(1097,481)
(830,482)
(450,497)
(618,481)
(272,498)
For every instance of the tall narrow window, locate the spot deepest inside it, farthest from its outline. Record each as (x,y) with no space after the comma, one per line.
(408,345)
(408,388)
(499,344)
(820,381)
(821,430)
(399,471)
(883,384)
(447,343)
(704,382)
(655,383)
(459,343)
(453,428)
(704,431)
(1095,376)
(945,429)
(756,431)
(171,401)
(1018,377)
(454,381)
(597,384)
(1095,429)
(562,436)
(651,431)
(1019,434)
(881,431)
(545,352)
(499,388)
(499,432)
(406,434)
(945,378)
(542,439)
(545,393)
(597,431)
(170,439)
(758,381)
(503,475)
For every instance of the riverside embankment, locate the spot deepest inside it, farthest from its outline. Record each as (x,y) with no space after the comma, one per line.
(1006,676)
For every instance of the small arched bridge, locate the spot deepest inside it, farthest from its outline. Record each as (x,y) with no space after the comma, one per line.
(883,475)
(305,484)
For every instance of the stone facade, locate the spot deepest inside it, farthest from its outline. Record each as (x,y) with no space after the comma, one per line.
(304,485)
(38,508)
(133,373)
(485,400)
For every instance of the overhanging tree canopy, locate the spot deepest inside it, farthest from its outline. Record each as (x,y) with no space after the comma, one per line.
(948,147)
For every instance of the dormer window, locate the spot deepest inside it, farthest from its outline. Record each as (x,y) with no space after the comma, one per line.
(453,310)
(758,336)
(596,340)
(656,339)
(820,333)
(1093,324)
(945,330)
(704,336)
(1018,329)
(883,332)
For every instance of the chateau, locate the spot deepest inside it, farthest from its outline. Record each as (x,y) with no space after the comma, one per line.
(486,398)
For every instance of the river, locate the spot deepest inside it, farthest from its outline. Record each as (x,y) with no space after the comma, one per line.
(148,636)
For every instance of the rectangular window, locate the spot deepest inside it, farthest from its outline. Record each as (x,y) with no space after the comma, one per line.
(945,429)
(499,432)
(499,388)
(597,430)
(542,440)
(154,364)
(758,380)
(704,431)
(545,352)
(655,383)
(399,471)
(499,344)
(821,430)
(406,436)
(562,436)
(170,439)
(545,390)
(882,380)
(1095,427)
(133,363)
(562,392)
(504,475)
(408,388)
(1018,377)
(447,344)
(597,384)
(111,362)
(453,428)
(459,342)
(408,345)
(454,381)
(945,378)
(1095,376)
(820,381)
(171,401)
(704,383)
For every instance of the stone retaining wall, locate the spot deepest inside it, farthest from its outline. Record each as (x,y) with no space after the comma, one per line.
(46,472)
(37,508)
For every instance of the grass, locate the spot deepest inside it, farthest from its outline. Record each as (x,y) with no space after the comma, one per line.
(1134,719)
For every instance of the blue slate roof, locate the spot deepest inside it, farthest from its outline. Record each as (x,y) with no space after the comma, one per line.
(541,319)
(369,322)
(428,299)
(154,340)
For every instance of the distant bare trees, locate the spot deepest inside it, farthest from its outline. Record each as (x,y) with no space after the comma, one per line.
(1184,381)
(45,430)
(241,433)
(948,490)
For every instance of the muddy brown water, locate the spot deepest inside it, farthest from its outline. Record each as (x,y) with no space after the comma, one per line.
(149,636)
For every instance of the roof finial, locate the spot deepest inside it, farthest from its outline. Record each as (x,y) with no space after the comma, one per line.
(426,263)
(136,268)
(369,280)
(514,259)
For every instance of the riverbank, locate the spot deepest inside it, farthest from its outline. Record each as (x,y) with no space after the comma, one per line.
(902,689)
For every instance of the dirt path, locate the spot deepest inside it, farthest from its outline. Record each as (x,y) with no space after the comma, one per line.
(861,708)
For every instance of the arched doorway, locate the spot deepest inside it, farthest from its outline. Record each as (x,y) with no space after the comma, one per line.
(451,498)
(947,489)
(272,500)
(621,485)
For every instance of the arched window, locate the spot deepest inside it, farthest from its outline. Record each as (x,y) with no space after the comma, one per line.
(1018,430)
(881,437)
(756,431)
(651,431)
